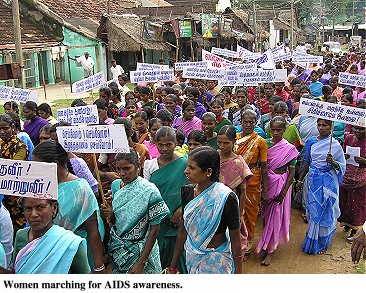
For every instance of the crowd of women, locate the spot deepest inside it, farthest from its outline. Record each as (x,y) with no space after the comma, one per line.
(205,163)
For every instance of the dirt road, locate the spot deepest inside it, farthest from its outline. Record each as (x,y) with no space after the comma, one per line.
(289,258)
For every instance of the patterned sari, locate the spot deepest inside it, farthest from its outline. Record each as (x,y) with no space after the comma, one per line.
(202,216)
(136,207)
(322,209)
(253,149)
(187,126)
(169,180)
(233,173)
(276,217)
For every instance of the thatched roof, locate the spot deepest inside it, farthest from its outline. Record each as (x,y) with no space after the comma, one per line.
(125,34)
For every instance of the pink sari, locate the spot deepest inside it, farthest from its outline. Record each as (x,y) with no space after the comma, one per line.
(276,217)
(187,126)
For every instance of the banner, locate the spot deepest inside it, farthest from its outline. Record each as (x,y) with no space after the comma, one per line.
(223,52)
(215,61)
(281,53)
(151,76)
(352,79)
(152,31)
(79,115)
(28,179)
(180,65)
(93,139)
(89,83)
(185,29)
(302,58)
(243,66)
(245,54)
(266,60)
(17,94)
(204,73)
(246,78)
(148,66)
(333,112)
(210,26)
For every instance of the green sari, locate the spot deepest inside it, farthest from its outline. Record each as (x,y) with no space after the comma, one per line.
(222,123)
(212,142)
(169,179)
(291,134)
(136,207)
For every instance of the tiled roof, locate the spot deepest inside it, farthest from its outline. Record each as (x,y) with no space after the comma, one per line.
(31,35)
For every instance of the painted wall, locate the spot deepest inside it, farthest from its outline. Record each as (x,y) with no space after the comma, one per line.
(94,48)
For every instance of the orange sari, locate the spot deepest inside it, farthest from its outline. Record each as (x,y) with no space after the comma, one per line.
(253,149)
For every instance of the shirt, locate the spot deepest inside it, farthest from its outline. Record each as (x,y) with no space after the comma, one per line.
(116,71)
(85,63)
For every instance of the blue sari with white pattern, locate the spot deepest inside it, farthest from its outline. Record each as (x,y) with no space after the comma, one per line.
(202,216)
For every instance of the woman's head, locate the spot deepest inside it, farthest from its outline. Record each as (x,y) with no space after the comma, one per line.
(188,109)
(227,91)
(154,125)
(332,99)
(280,109)
(359,131)
(217,106)
(102,106)
(166,141)
(78,103)
(7,126)
(196,139)
(208,123)
(145,94)
(272,101)
(192,93)
(171,102)
(277,127)
(347,99)
(226,139)
(269,89)
(127,165)
(105,93)
(314,75)
(44,110)
(361,103)
(141,121)
(241,97)
(11,107)
(324,127)
(130,95)
(248,121)
(203,164)
(45,133)
(131,107)
(115,94)
(165,116)
(30,110)
(353,69)
(304,89)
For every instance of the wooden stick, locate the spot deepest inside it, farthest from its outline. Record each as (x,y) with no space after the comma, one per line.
(331,137)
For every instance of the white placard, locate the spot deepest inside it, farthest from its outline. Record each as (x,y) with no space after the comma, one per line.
(17,94)
(93,139)
(246,78)
(149,66)
(204,73)
(180,65)
(79,115)
(281,53)
(306,58)
(243,66)
(245,54)
(89,83)
(352,79)
(265,61)
(28,179)
(353,152)
(215,61)
(223,52)
(151,76)
(333,112)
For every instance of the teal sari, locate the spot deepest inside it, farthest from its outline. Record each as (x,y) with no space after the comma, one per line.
(169,180)
(136,206)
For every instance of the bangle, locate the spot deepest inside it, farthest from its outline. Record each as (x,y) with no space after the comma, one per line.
(171,269)
(238,256)
(101,268)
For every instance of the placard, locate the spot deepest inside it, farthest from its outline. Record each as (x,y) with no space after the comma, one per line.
(28,179)
(93,139)
(281,53)
(243,66)
(89,83)
(352,79)
(234,78)
(180,65)
(17,94)
(302,58)
(204,73)
(215,61)
(151,76)
(223,52)
(245,54)
(149,66)
(333,112)
(79,115)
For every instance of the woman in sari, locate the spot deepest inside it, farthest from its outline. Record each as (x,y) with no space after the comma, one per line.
(208,127)
(34,122)
(276,210)
(315,85)
(6,237)
(154,125)
(137,209)
(352,202)
(45,248)
(14,149)
(188,121)
(325,173)
(141,126)
(78,207)
(253,149)
(167,173)
(217,107)
(234,173)
(210,231)
(45,112)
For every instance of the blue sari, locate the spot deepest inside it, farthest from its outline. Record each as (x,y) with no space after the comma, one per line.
(322,208)
(316,89)
(202,216)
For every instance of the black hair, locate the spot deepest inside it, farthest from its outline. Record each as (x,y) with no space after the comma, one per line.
(295,81)
(229,131)
(127,123)
(227,89)
(218,101)
(206,157)
(78,103)
(281,105)
(142,115)
(16,120)
(149,112)
(242,90)
(261,89)
(179,136)
(272,84)
(132,157)
(131,101)
(145,90)
(154,121)
(101,103)
(349,97)
(105,90)
(187,103)
(61,123)
(50,151)
(130,93)
(165,115)
(347,90)
(360,101)
(197,135)
(30,105)
(13,105)
(326,89)
(46,108)
(168,90)
(193,90)
(274,99)
(173,97)
(329,122)
(115,92)
(46,128)
(123,76)
(166,131)
(304,87)
(280,120)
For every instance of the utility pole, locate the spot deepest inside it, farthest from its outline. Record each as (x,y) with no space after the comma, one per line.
(18,39)
(292,24)
(353,17)
(255,26)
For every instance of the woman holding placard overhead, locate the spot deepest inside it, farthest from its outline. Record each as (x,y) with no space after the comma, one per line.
(78,207)
(15,149)
(325,166)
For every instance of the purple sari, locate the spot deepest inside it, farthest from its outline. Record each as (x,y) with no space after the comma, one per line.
(187,126)
(33,128)
(276,217)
